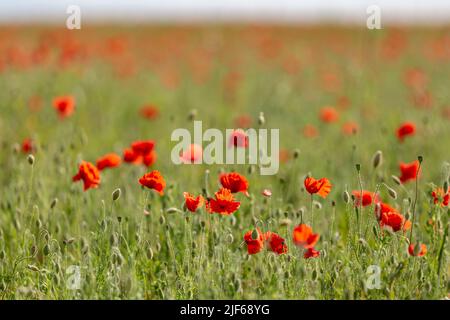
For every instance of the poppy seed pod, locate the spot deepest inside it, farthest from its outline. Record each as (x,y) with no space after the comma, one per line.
(377,159)
(116,194)
(53,203)
(396,180)
(30,159)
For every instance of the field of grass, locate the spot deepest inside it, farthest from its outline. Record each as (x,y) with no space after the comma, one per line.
(144,245)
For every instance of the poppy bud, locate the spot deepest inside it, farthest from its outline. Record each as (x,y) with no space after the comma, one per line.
(2,254)
(317,205)
(285,222)
(377,159)
(158,247)
(396,180)
(378,210)
(261,119)
(420,158)
(33,250)
(192,114)
(116,194)
(46,250)
(162,220)
(68,241)
(445,186)
(358,167)
(173,210)
(30,159)
(346,196)
(392,192)
(53,203)
(296,153)
(255,234)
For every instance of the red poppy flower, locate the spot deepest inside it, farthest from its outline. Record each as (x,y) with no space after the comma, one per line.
(64,105)
(193,154)
(417,253)
(350,128)
(141,152)
(192,203)
(89,174)
(303,236)
(223,203)
(254,240)
(311,253)
(234,182)
(28,146)
(395,220)
(329,114)
(153,180)
(238,138)
(367,198)
(321,186)
(276,243)
(110,160)
(406,129)
(409,171)
(440,197)
(309,131)
(149,112)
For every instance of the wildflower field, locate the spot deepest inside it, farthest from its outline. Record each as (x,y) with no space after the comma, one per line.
(93,207)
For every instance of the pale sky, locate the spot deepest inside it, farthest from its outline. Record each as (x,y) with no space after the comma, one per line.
(288,11)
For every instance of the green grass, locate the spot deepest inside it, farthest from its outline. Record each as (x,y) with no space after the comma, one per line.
(124,254)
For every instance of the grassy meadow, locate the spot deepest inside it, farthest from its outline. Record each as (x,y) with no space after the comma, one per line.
(338,95)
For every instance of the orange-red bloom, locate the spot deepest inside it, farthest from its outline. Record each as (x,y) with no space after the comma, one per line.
(406,129)
(309,131)
(234,182)
(329,114)
(111,160)
(417,253)
(193,154)
(153,180)
(149,112)
(89,174)
(395,220)
(238,138)
(254,240)
(367,198)
(193,203)
(311,253)
(409,171)
(441,197)
(303,236)
(141,152)
(276,243)
(350,128)
(28,146)
(322,186)
(64,105)
(224,203)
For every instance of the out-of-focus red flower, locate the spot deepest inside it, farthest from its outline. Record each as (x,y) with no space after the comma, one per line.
(304,237)
(343,102)
(409,171)
(238,139)
(285,155)
(193,203)
(406,129)
(141,152)
(28,146)
(350,128)
(64,105)
(110,160)
(441,197)
(311,253)
(329,114)
(367,198)
(223,203)
(35,103)
(153,180)
(149,112)
(276,243)
(322,186)
(234,182)
(243,121)
(417,253)
(89,174)
(415,78)
(254,240)
(193,154)
(309,131)
(423,99)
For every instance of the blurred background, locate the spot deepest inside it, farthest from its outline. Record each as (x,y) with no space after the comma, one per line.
(281,11)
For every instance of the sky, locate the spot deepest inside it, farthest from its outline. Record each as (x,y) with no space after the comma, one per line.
(278,11)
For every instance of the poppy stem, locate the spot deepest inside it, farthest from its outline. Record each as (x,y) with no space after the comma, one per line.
(415,200)
(311,208)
